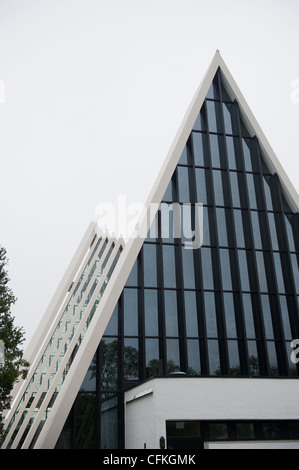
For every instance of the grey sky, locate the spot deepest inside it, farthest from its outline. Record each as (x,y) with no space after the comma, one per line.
(94,93)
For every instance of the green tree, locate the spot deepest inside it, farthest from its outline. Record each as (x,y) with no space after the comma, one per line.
(14,365)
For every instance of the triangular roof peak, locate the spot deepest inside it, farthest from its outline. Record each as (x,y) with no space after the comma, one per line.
(249,120)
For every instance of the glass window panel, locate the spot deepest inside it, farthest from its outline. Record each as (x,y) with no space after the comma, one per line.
(198,148)
(221,226)
(212,120)
(86,406)
(89,382)
(233,355)
(168,196)
(218,187)
(239,228)
(248,316)
(151,312)
(130,297)
(131,359)
(254,368)
(183,183)
(273,366)
(294,260)
(207,268)
(267,317)
(169,269)
(210,311)
(268,196)
(184,157)
(273,233)
(229,313)
(132,279)
(225,269)
(256,230)
(251,191)
(109,364)
(109,421)
(112,327)
(231,156)
(206,226)
(152,361)
(279,275)
(201,186)
(285,317)
(188,268)
(214,360)
(243,270)
(193,357)
(247,156)
(171,315)
(191,314)
(150,265)
(218,431)
(173,355)
(227,119)
(293,427)
(290,233)
(235,189)
(215,153)
(245,431)
(271,430)
(261,271)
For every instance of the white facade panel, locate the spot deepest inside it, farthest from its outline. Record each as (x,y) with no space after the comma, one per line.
(205,399)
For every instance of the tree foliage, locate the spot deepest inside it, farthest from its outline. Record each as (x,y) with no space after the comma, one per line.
(14,366)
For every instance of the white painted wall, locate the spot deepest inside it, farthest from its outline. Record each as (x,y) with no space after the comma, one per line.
(182,398)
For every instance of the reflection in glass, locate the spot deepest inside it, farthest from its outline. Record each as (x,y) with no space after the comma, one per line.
(173,355)
(254,369)
(245,431)
(150,265)
(131,359)
(267,317)
(171,312)
(188,269)
(191,314)
(225,269)
(215,153)
(169,269)
(239,228)
(221,226)
(218,431)
(233,356)
(201,186)
(243,270)
(210,311)
(130,311)
(231,153)
(207,268)
(229,313)
(273,233)
(214,360)
(198,148)
(273,366)
(193,357)
(248,316)
(151,312)
(261,271)
(279,275)
(152,357)
(285,318)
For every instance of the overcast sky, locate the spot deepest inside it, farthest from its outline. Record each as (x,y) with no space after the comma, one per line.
(94,92)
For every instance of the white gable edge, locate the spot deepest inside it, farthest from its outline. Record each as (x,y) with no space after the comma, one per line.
(71,386)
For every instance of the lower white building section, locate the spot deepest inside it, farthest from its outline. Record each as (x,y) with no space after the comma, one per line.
(153,404)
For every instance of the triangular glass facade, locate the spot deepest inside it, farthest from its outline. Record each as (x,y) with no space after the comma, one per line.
(229,308)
